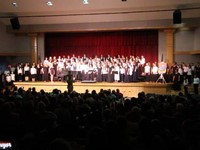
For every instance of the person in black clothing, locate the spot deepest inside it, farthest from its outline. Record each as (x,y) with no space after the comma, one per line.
(110,74)
(174,68)
(70,82)
(1,80)
(38,68)
(99,75)
(46,73)
(52,72)
(176,81)
(197,68)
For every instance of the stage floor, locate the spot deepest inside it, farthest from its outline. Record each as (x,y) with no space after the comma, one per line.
(128,89)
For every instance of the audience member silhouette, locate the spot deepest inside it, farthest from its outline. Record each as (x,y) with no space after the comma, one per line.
(98,120)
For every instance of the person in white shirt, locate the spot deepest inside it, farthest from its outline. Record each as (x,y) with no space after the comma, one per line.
(33,72)
(196,84)
(142,61)
(84,71)
(7,75)
(117,70)
(26,72)
(20,72)
(104,73)
(147,71)
(78,69)
(12,75)
(52,72)
(180,71)
(154,72)
(46,61)
(122,72)
(185,69)
(189,74)
(193,69)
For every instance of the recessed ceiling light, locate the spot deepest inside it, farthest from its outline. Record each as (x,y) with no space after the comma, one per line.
(85,1)
(49,3)
(14,4)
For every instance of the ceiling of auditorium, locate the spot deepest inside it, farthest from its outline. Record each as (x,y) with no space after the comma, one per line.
(36,12)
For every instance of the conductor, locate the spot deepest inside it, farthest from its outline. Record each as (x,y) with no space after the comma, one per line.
(69,82)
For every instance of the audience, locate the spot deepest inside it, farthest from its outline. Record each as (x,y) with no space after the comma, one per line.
(98,120)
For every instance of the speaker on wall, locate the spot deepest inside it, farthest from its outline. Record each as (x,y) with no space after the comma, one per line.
(15,23)
(177,17)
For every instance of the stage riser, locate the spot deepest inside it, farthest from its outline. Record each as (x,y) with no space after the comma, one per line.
(128,89)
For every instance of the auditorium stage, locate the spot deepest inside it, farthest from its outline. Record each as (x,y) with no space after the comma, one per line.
(128,89)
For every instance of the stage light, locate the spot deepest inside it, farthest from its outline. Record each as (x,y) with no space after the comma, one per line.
(85,1)
(49,3)
(14,4)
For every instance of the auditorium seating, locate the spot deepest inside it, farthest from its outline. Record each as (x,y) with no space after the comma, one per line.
(98,120)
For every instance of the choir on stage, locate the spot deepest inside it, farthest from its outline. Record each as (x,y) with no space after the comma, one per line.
(99,69)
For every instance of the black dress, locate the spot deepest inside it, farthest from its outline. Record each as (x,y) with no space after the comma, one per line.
(110,75)
(70,82)
(45,75)
(99,75)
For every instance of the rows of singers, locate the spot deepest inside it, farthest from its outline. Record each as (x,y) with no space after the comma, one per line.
(108,69)
(100,69)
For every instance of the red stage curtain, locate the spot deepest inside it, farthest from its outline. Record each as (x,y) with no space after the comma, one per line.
(126,43)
